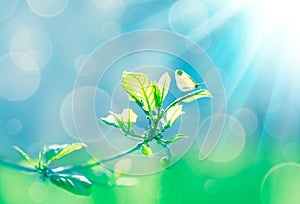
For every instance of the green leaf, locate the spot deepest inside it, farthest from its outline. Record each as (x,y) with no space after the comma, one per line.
(139,87)
(164,84)
(202,93)
(173,114)
(118,119)
(157,95)
(109,120)
(196,95)
(174,138)
(76,184)
(24,155)
(129,117)
(165,162)
(147,151)
(58,151)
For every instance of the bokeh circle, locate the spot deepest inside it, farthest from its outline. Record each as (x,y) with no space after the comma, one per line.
(17,84)
(47,8)
(281,184)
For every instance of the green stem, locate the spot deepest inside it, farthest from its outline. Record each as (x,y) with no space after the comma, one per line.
(16,166)
(131,133)
(117,156)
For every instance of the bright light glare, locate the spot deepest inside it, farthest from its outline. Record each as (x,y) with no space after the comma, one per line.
(281,18)
(279,11)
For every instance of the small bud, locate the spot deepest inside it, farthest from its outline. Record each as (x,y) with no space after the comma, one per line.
(147,151)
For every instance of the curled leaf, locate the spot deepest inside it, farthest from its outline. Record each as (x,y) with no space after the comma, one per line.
(76,184)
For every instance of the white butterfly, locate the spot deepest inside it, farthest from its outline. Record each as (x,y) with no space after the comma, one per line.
(185,82)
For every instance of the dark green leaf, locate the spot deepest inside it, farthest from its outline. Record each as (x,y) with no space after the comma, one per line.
(76,184)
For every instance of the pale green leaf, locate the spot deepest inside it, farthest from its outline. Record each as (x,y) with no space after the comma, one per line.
(24,155)
(58,151)
(76,184)
(118,119)
(175,138)
(164,84)
(109,120)
(173,114)
(147,151)
(129,117)
(197,95)
(202,93)
(139,87)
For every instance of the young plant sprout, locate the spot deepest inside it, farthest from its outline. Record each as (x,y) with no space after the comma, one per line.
(150,98)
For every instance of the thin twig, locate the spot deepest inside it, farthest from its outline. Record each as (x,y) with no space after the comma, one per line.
(117,156)
(16,166)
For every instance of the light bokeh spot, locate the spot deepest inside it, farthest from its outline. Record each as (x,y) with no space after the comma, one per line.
(34,44)
(7,8)
(232,140)
(247,118)
(282,123)
(110,29)
(281,184)
(16,84)
(47,8)
(189,18)
(14,126)
(38,192)
(89,128)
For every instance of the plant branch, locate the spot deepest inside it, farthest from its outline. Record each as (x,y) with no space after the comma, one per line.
(117,156)
(16,166)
